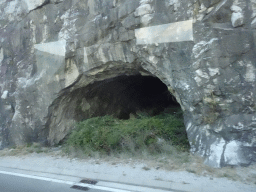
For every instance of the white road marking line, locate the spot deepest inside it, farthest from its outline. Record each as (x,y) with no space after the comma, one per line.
(63,182)
(37,177)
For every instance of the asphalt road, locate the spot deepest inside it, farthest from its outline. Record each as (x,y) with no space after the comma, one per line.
(12,183)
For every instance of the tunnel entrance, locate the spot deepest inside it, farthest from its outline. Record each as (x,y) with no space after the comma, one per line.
(123,97)
(133,99)
(126,96)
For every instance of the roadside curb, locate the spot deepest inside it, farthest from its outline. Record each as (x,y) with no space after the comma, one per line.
(73,180)
(119,175)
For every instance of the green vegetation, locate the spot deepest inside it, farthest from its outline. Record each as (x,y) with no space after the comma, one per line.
(24,149)
(107,135)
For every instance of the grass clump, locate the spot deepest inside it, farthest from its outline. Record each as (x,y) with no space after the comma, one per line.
(137,135)
(24,149)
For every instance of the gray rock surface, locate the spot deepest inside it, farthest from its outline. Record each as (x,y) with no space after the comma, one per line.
(57,56)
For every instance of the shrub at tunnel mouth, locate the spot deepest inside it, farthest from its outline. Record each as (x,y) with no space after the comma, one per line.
(140,115)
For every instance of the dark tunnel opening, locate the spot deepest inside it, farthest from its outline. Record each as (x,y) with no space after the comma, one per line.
(126,96)
(123,97)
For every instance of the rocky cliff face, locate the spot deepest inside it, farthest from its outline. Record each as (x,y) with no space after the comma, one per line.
(65,60)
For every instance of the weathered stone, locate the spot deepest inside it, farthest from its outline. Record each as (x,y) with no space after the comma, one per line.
(236,9)
(209,3)
(143,10)
(33,4)
(173,32)
(130,22)
(1,55)
(62,61)
(4,95)
(145,1)
(237,19)
(253,24)
(146,19)
(174,3)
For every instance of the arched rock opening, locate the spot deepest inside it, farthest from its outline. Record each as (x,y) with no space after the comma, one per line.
(123,97)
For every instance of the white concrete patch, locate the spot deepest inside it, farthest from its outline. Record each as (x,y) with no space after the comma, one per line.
(4,95)
(172,32)
(32,4)
(55,48)
(216,152)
